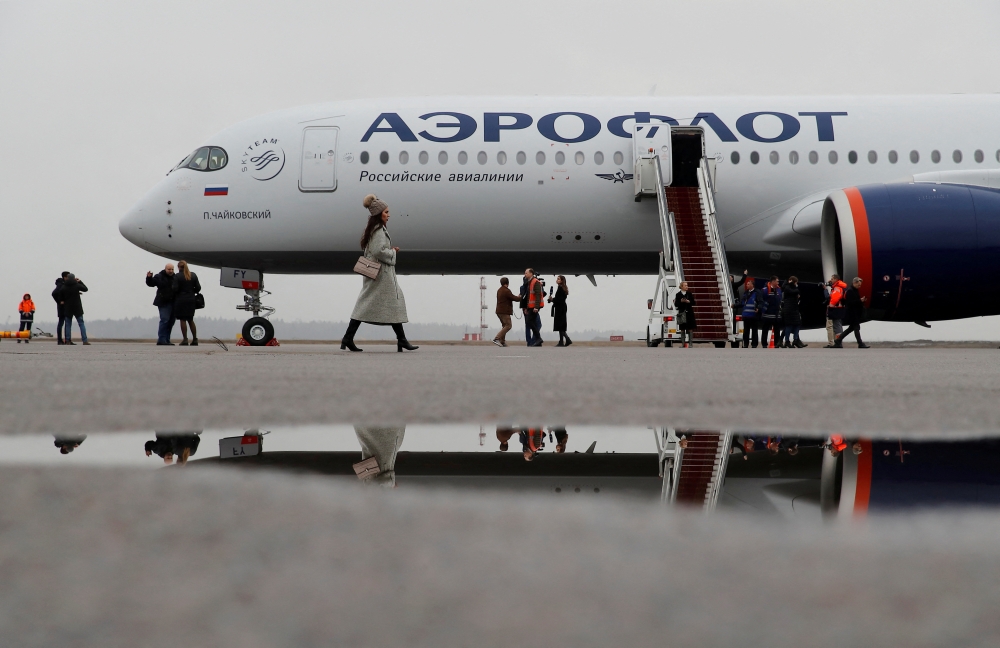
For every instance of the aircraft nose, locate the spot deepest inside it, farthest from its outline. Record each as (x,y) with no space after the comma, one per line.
(130,226)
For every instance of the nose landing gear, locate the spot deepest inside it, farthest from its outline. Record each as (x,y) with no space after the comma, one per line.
(257,330)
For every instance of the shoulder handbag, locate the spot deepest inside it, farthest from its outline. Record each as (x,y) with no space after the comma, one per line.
(199,300)
(367,267)
(682,318)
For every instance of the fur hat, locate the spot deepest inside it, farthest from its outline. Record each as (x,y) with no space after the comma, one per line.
(375,205)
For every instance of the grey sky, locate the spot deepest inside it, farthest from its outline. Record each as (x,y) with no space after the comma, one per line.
(99,100)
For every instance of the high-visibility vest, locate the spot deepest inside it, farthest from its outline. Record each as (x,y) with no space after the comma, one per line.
(837,294)
(26,306)
(535,301)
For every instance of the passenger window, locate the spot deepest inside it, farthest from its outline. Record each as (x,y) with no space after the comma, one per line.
(979,156)
(383,157)
(218,159)
(521,157)
(501,158)
(813,157)
(463,157)
(364,157)
(832,156)
(754,157)
(914,157)
(619,158)
(852,157)
(404,157)
(893,157)
(560,158)
(872,157)
(482,157)
(540,157)
(598,158)
(423,157)
(773,157)
(793,157)
(956,156)
(579,157)
(734,157)
(443,157)
(935,156)
(199,161)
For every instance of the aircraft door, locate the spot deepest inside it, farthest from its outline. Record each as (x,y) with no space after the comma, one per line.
(318,171)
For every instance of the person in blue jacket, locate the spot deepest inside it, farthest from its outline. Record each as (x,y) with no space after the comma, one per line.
(750,312)
(770,311)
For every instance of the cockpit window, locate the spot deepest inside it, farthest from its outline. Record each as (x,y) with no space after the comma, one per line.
(217,159)
(206,158)
(199,161)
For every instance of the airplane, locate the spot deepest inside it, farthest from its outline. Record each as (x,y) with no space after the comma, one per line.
(902,191)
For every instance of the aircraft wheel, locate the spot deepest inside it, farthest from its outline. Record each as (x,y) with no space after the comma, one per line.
(258,331)
(735,345)
(720,345)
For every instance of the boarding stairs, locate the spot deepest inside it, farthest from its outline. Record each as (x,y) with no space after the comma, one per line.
(671,165)
(693,475)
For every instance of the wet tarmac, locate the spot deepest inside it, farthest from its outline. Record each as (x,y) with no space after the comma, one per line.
(709,497)
(140,386)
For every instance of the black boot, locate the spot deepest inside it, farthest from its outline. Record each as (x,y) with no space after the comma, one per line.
(401,342)
(568,341)
(560,343)
(348,341)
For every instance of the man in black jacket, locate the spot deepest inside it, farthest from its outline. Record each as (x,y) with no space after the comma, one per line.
(163,281)
(57,296)
(855,310)
(69,296)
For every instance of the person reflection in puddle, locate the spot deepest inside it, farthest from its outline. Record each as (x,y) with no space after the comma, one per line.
(503,436)
(561,438)
(167,445)
(532,442)
(68,444)
(381,442)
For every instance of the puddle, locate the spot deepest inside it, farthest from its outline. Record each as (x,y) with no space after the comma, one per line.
(798,476)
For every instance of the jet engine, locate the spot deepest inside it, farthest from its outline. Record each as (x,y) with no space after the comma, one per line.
(924,251)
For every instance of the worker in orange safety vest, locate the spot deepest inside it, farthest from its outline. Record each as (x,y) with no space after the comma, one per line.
(27,311)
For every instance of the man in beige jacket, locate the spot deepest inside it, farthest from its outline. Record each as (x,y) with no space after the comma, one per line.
(505,308)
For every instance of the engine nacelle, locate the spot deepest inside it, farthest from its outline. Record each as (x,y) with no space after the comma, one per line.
(924,251)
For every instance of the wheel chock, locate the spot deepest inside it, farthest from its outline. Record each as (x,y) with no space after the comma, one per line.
(241,342)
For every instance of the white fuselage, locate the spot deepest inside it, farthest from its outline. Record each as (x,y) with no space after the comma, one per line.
(473,191)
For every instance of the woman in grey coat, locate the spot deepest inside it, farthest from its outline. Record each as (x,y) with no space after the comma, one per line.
(381,301)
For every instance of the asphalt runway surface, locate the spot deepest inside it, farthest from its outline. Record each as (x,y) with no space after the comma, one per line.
(170,558)
(122,386)
(175,556)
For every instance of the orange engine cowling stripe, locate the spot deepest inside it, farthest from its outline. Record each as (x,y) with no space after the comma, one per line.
(864,241)
(863,491)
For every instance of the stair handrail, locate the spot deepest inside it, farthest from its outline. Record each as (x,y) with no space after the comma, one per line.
(727,286)
(725,443)
(667,234)
(678,262)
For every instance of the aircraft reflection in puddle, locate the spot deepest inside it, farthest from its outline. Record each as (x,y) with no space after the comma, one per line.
(796,475)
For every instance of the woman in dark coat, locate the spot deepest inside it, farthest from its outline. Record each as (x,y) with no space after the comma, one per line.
(854,313)
(186,286)
(790,314)
(558,302)
(684,303)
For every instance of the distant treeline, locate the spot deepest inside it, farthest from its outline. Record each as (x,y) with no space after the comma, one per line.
(227,329)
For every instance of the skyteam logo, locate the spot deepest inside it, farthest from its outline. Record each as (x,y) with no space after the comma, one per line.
(263,159)
(621,176)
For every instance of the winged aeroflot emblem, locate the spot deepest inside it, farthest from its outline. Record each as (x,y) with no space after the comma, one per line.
(621,176)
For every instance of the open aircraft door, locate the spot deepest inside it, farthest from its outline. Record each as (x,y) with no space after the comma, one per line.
(318,171)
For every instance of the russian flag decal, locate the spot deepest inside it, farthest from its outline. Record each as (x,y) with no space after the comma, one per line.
(217,190)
